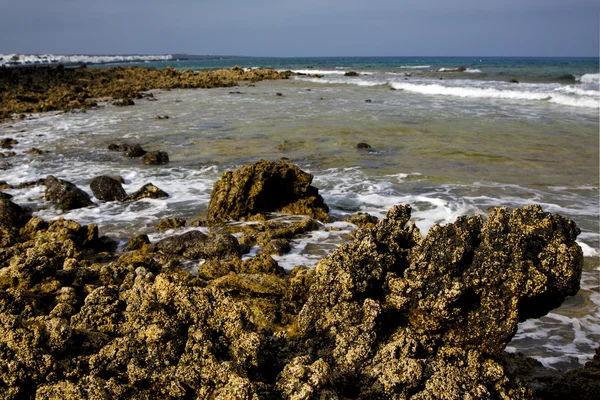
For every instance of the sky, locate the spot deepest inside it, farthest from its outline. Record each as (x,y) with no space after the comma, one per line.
(302,28)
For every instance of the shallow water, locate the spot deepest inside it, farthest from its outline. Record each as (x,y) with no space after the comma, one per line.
(445,155)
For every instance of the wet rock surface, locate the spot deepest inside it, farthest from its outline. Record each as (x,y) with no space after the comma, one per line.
(155,158)
(65,195)
(106,188)
(148,191)
(389,315)
(265,187)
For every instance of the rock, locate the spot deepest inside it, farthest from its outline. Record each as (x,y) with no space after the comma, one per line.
(161,117)
(24,185)
(362,220)
(351,73)
(66,195)
(148,191)
(514,81)
(5,165)
(155,158)
(5,185)
(278,94)
(9,154)
(196,245)
(170,223)
(138,242)
(106,188)
(363,145)
(5,196)
(402,315)
(265,187)
(7,143)
(118,147)
(35,150)
(135,151)
(12,215)
(368,101)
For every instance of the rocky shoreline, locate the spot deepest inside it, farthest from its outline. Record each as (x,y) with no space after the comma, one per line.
(389,315)
(41,88)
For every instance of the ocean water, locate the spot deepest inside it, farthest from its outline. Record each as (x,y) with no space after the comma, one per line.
(447,142)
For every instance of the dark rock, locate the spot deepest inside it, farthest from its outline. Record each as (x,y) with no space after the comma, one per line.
(197,245)
(5,185)
(148,191)
(363,145)
(5,165)
(118,147)
(170,223)
(265,187)
(137,242)
(155,158)
(9,154)
(278,94)
(351,73)
(5,196)
(135,151)
(106,188)
(35,150)
(514,81)
(12,215)
(368,101)
(66,195)
(7,143)
(160,117)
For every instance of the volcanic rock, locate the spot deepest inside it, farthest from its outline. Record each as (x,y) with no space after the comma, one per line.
(265,187)
(155,158)
(66,195)
(106,188)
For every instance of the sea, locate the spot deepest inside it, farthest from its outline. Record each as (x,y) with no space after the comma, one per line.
(450,136)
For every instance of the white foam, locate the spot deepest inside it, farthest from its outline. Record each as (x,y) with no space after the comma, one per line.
(588,251)
(590,78)
(474,71)
(415,66)
(498,92)
(353,81)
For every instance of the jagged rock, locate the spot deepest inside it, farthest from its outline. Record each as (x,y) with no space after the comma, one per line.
(66,195)
(170,223)
(148,191)
(196,245)
(265,187)
(106,188)
(404,316)
(135,151)
(155,158)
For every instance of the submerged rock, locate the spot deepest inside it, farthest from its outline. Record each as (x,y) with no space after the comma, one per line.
(265,187)
(106,188)
(66,195)
(155,158)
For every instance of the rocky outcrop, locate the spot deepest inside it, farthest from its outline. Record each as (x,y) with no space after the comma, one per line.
(66,195)
(170,223)
(106,188)
(389,315)
(265,187)
(398,315)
